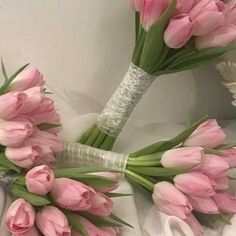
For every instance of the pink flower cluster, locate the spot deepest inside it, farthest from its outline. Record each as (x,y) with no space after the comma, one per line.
(203,185)
(212,22)
(22,219)
(22,110)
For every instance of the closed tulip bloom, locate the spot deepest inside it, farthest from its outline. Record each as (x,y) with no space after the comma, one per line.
(40,180)
(27,79)
(182,158)
(230,14)
(195,184)
(170,200)
(205,205)
(214,166)
(220,37)
(150,12)
(208,134)
(207,15)
(31,232)
(230,156)
(24,156)
(109,175)
(195,225)
(11,104)
(101,205)
(225,202)
(184,6)
(73,195)
(15,132)
(52,222)
(20,217)
(34,98)
(136,4)
(179,31)
(222,183)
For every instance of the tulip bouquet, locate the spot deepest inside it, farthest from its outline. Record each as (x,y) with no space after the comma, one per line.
(187,175)
(49,201)
(171,36)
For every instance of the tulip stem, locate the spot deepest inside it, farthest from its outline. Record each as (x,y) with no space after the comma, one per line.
(140,180)
(85,136)
(144,163)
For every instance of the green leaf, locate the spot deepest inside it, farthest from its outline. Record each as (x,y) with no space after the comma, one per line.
(34,199)
(112,195)
(100,221)
(154,41)
(226,146)
(74,221)
(4,71)
(114,217)
(46,126)
(3,168)
(156,171)
(20,181)
(6,163)
(93,181)
(168,144)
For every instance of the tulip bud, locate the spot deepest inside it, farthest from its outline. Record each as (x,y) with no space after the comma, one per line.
(220,37)
(136,4)
(230,156)
(150,12)
(184,6)
(195,225)
(50,219)
(225,202)
(71,194)
(179,31)
(27,79)
(182,158)
(170,200)
(195,184)
(40,180)
(20,217)
(31,232)
(208,134)
(230,14)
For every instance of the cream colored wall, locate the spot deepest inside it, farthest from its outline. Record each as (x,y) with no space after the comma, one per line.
(84,48)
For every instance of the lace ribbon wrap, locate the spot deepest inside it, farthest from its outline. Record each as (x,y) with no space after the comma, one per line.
(79,155)
(123,101)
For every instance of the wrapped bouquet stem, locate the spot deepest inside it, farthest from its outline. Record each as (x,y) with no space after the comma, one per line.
(172,36)
(186,175)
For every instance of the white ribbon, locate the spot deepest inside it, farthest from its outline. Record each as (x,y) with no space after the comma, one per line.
(123,101)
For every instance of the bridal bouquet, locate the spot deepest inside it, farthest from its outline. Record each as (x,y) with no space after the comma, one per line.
(48,201)
(171,36)
(187,175)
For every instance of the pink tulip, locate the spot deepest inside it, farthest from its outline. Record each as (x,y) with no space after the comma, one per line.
(182,158)
(46,117)
(109,175)
(195,225)
(52,222)
(225,202)
(90,228)
(214,166)
(179,31)
(11,104)
(208,134)
(231,13)
(40,180)
(44,138)
(222,183)
(136,4)
(15,132)
(207,15)
(73,195)
(230,156)
(170,200)
(31,232)
(108,231)
(205,205)
(27,79)
(34,97)
(195,184)
(101,205)
(220,37)
(150,12)
(20,217)
(184,6)
(24,156)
